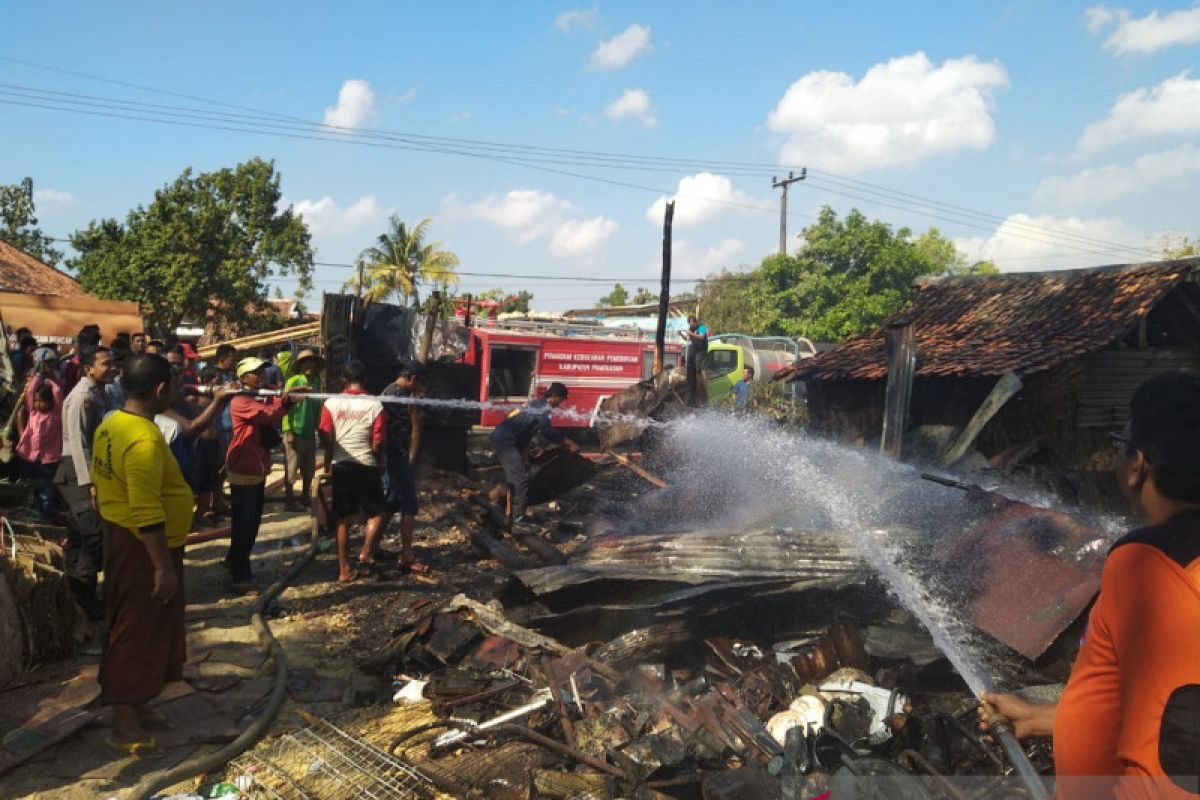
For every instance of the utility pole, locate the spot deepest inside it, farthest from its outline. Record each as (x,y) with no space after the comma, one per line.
(664,293)
(359,289)
(783,184)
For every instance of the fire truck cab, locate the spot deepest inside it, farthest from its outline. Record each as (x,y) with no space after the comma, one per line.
(517,360)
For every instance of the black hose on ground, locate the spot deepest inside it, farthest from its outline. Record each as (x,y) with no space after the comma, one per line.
(157,781)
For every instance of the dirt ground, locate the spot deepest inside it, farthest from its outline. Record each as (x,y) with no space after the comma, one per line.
(325,628)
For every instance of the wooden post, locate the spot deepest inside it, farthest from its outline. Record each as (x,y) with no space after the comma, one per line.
(664,294)
(467,314)
(902,368)
(431,317)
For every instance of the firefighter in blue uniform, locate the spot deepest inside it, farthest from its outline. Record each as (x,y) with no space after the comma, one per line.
(513,435)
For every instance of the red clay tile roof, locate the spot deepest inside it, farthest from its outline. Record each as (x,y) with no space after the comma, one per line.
(24,274)
(1023,321)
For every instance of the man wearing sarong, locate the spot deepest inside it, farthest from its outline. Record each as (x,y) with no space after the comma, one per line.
(146,506)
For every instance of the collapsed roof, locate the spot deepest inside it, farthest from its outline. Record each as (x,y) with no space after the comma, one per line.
(981,326)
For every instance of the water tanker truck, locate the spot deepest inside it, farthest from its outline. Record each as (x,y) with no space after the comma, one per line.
(730,353)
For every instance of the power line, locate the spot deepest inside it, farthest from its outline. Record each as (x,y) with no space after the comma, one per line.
(520,155)
(200,120)
(959,211)
(991,229)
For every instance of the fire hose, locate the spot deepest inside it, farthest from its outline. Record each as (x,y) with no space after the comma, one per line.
(156,781)
(1001,729)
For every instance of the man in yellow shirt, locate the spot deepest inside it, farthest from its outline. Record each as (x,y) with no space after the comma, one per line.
(146,506)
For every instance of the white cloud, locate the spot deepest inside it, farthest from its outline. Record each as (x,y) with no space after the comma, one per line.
(462,116)
(525,214)
(355,105)
(576,18)
(531,214)
(902,111)
(579,238)
(699,199)
(1098,185)
(1146,34)
(1170,108)
(408,96)
(629,44)
(1025,243)
(635,104)
(692,261)
(49,199)
(325,218)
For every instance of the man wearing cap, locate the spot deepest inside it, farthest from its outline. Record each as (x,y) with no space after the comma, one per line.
(400,455)
(514,434)
(248,461)
(300,429)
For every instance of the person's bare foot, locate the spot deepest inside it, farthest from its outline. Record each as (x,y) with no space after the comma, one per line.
(349,577)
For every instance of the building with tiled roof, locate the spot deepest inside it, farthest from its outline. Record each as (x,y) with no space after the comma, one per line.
(52,304)
(1079,340)
(24,274)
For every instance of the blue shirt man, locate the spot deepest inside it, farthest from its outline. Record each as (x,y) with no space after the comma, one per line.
(741,389)
(511,437)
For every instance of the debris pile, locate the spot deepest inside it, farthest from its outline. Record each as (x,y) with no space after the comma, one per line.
(514,713)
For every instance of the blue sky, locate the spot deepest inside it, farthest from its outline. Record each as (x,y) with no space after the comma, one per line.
(1041,134)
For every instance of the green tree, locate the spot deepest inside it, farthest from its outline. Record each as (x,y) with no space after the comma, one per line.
(1178,247)
(19,225)
(643,296)
(848,276)
(943,258)
(401,261)
(725,301)
(509,302)
(204,249)
(619,296)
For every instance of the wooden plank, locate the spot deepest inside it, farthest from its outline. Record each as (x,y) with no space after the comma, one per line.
(1008,385)
(510,559)
(902,368)
(648,476)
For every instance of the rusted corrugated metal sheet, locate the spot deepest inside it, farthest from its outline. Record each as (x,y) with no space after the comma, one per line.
(1026,573)
(705,557)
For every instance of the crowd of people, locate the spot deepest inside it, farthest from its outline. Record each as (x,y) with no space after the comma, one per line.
(129,445)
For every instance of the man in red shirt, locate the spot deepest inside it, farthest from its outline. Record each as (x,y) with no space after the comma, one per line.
(352,429)
(1128,723)
(247,463)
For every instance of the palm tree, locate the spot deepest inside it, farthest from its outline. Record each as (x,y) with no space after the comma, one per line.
(401,261)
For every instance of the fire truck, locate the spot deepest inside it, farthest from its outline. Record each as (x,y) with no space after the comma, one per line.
(517,360)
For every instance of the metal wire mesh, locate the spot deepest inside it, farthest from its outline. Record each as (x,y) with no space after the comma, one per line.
(323,761)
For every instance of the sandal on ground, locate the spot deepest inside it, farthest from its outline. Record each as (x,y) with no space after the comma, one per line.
(354,576)
(145,749)
(415,567)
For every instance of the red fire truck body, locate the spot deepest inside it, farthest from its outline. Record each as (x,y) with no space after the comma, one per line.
(517,361)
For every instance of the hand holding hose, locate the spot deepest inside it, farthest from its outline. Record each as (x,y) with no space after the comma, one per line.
(1026,719)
